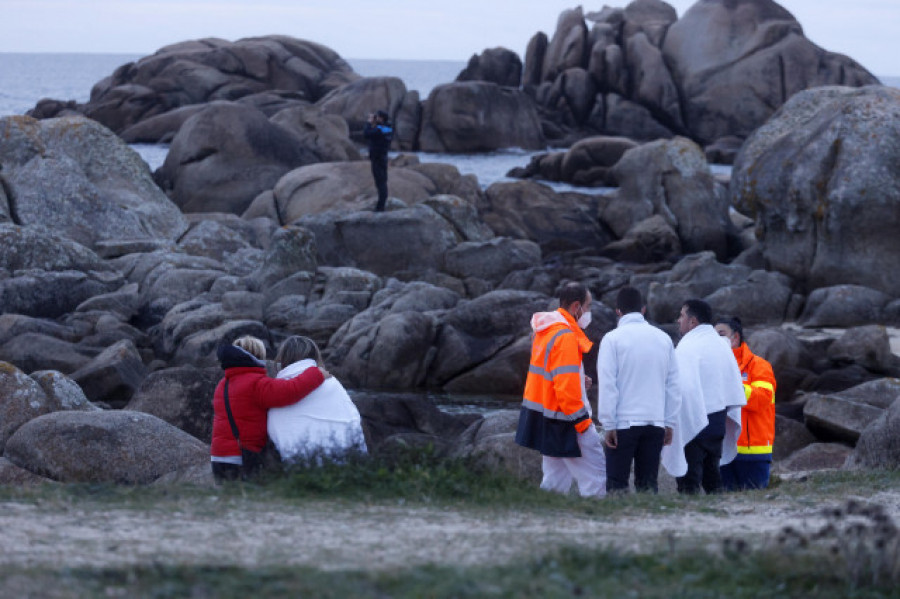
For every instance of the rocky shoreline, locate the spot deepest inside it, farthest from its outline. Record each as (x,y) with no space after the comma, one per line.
(116,283)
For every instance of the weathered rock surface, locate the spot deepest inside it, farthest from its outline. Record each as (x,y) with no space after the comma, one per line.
(21,399)
(491,443)
(817,456)
(205,70)
(113,375)
(735,63)
(673,180)
(879,444)
(497,65)
(71,173)
(556,222)
(182,396)
(115,446)
(825,216)
(838,418)
(843,306)
(477,116)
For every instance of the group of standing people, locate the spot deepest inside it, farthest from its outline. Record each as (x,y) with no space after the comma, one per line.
(704,409)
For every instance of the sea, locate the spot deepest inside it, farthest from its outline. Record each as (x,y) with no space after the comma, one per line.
(27,78)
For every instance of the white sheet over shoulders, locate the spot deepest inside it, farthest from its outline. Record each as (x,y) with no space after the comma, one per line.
(710,382)
(325,421)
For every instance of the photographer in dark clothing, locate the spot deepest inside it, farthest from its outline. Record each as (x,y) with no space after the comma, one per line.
(379,133)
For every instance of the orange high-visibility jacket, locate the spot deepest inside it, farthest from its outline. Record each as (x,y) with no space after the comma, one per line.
(553,410)
(758,416)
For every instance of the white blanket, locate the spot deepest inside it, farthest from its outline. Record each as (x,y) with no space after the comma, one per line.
(325,422)
(710,382)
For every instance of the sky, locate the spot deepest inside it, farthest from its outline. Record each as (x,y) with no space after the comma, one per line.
(865,30)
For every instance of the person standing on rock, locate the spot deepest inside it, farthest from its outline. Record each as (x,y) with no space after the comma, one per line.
(638,395)
(555,418)
(241,403)
(379,134)
(712,395)
(750,468)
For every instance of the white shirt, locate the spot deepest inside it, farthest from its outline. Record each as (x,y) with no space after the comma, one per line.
(637,376)
(325,421)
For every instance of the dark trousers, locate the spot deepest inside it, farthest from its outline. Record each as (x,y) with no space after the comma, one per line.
(740,475)
(640,445)
(379,173)
(702,455)
(223,471)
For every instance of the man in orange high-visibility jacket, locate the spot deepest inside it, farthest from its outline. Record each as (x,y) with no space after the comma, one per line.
(750,469)
(555,418)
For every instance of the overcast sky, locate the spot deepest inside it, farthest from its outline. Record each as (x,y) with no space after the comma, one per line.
(866,30)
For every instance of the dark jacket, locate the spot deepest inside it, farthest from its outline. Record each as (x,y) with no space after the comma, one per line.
(379,138)
(251,392)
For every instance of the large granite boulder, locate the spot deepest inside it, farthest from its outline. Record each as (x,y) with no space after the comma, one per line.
(326,135)
(671,178)
(62,392)
(827,217)
(114,446)
(497,65)
(879,443)
(735,63)
(419,239)
(355,101)
(588,162)
(555,221)
(491,444)
(844,306)
(226,155)
(37,351)
(341,186)
(182,396)
(836,417)
(69,174)
(868,346)
(205,70)
(113,375)
(477,116)
(816,456)
(21,399)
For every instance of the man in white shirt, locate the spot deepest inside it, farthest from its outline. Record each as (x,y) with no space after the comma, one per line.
(639,396)
(709,423)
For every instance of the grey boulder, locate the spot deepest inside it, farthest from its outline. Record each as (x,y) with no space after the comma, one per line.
(108,446)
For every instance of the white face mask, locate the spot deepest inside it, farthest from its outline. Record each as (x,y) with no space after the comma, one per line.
(584,320)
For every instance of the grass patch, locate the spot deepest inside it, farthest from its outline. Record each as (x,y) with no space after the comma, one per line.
(564,573)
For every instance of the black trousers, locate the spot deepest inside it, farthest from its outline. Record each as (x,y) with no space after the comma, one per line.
(702,455)
(379,173)
(223,471)
(640,445)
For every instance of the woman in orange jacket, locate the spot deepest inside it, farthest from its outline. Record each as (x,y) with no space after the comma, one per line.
(750,469)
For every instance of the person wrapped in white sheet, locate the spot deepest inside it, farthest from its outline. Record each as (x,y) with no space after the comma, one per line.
(326,423)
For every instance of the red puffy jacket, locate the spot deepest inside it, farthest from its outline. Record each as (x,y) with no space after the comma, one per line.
(251,392)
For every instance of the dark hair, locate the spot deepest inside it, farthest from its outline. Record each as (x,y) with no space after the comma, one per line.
(382,115)
(629,300)
(570,293)
(699,310)
(298,348)
(733,323)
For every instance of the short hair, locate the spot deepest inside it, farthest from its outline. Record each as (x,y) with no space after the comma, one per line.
(572,292)
(253,346)
(296,348)
(699,310)
(382,115)
(629,300)
(733,323)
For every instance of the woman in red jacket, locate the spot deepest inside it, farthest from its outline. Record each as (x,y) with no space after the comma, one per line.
(750,469)
(251,392)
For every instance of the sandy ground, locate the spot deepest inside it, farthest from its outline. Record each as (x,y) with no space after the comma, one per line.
(361,537)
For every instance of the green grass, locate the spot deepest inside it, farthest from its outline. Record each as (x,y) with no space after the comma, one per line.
(564,573)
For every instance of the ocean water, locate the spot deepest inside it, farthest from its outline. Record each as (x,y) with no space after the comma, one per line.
(27,78)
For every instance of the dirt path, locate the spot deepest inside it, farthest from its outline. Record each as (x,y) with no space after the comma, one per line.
(355,536)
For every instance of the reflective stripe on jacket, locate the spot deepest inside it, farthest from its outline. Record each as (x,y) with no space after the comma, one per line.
(553,409)
(758,416)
